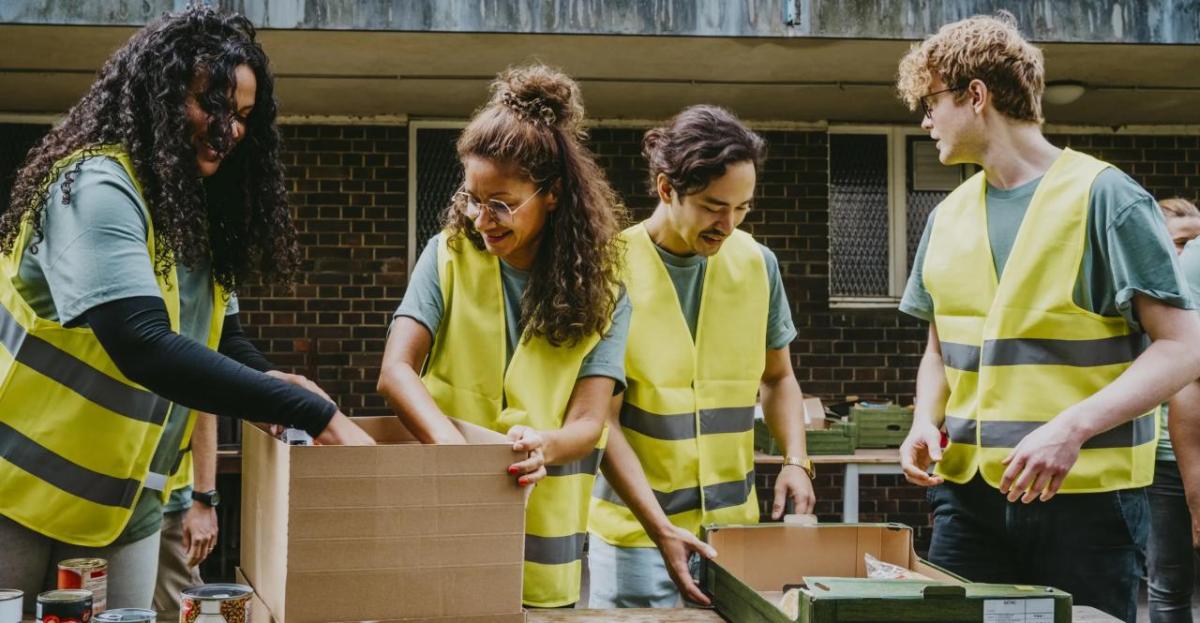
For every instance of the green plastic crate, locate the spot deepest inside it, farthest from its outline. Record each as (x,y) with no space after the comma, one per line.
(883,426)
(840,438)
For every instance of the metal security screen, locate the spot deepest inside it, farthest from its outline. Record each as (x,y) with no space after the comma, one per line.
(438,175)
(938,180)
(858,215)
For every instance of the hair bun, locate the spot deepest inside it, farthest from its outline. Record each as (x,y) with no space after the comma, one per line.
(540,94)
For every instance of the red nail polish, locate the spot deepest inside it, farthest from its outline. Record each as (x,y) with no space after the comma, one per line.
(521,481)
(512,470)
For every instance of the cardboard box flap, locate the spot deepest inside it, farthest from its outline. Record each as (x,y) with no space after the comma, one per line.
(766,557)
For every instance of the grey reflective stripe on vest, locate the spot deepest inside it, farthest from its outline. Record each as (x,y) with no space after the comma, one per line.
(727,494)
(960,430)
(994,434)
(668,427)
(589,464)
(672,502)
(1078,353)
(555,550)
(960,356)
(726,420)
(76,480)
(67,370)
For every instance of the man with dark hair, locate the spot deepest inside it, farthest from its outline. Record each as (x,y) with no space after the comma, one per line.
(1039,278)
(709,334)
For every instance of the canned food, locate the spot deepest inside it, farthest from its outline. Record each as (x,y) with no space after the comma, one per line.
(126,615)
(216,603)
(64,606)
(89,574)
(11,600)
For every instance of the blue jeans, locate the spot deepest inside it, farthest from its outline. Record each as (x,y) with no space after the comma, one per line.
(1088,544)
(1170,560)
(631,577)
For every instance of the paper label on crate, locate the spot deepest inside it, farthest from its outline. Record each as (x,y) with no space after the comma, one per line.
(1018,611)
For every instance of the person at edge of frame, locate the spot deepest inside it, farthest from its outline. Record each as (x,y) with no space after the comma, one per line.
(1040,277)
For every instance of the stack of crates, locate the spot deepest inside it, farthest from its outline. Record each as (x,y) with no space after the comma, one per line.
(839,436)
(881,425)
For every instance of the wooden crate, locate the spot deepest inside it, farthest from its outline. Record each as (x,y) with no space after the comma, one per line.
(881,426)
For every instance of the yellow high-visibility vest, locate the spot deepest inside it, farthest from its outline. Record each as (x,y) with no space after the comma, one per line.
(76,436)
(1018,350)
(467,378)
(689,405)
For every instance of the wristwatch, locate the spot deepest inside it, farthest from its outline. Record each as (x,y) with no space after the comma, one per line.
(803,463)
(210,499)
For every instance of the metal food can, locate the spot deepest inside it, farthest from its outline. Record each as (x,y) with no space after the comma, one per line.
(64,606)
(216,603)
(11,601)
(126,615)
(89,574)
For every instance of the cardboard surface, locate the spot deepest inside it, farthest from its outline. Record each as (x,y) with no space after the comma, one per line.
(756,563)
(396,532)
(766,557)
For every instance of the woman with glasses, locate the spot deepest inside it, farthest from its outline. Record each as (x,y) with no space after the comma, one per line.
(514,318)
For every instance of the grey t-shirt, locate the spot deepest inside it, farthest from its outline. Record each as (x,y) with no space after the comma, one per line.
(1189,263)
(94,252)
(1127,249)
(687,275)
(423,302)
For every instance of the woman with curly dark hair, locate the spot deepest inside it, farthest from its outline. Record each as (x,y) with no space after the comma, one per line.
(514,317)
(131,226)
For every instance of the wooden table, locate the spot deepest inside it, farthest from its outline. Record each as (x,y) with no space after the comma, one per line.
(884,461)
(1079,614)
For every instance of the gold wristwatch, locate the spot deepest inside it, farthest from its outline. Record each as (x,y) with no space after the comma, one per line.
(803,463)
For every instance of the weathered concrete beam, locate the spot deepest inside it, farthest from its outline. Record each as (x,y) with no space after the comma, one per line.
(1117,21)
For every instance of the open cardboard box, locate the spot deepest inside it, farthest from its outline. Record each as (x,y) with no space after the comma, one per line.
(755,563)
(400,531)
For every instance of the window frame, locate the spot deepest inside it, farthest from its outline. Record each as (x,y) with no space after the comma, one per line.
(415,125)
(898,270)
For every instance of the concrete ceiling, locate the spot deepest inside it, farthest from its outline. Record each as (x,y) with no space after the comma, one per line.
(44,69)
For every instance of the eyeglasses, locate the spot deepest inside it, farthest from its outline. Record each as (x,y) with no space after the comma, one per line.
(927,108)
(497,209)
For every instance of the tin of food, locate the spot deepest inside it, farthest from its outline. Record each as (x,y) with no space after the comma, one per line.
(64,606)
(126,615)
(216,603)
(89,574)
(11,600)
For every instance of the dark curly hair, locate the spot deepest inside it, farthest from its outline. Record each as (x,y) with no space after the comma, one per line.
(696,146)
(237,218)
(533,121)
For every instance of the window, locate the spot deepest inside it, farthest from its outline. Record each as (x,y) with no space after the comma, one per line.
(883,182)
(434,173)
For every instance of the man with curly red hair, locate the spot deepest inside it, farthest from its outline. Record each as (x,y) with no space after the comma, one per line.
(1041,278)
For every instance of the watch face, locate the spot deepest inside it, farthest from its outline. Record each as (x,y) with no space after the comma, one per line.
(215,498)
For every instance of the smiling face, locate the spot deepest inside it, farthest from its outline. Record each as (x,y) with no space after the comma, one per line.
(514,239)
(699,223)
(208,159)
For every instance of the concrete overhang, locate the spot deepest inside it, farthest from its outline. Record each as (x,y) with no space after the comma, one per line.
(45,69)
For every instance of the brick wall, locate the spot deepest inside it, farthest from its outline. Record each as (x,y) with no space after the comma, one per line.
(349,189)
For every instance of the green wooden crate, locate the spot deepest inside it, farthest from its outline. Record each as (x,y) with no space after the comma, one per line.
(840,438)
(756,560)
(883,426)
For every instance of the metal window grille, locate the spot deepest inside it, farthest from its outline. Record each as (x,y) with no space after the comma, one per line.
(858,215)
(438,173)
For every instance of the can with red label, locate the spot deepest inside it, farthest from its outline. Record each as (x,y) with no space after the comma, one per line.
(64,606)
(89,574)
